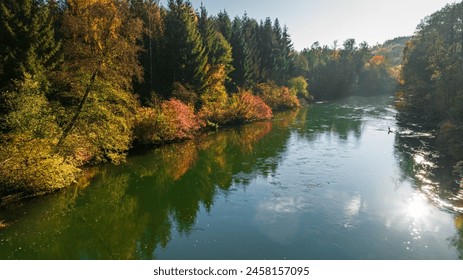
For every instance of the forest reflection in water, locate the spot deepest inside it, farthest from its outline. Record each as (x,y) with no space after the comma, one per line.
(325,182)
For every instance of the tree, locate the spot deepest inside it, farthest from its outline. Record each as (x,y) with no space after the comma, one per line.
(184,50)
(101,61)
(432,76)
(27,41)
(223,24)
(219,59)
(433,64)
(152,15)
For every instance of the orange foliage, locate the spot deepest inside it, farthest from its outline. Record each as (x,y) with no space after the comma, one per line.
(377,60)
(247,107)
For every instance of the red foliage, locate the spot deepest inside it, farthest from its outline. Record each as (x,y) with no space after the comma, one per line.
(172,120)
(249,107)
(179,119)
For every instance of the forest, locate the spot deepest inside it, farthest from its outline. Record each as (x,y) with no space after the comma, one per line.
(82,82)
(432,79)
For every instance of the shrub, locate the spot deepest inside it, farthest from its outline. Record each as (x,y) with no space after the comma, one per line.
(179,119)
(246,107)
(278,98)
(146,121)
(30,166)
(171,121)
(215,106)
(105,126)
(29,163)
(298,86)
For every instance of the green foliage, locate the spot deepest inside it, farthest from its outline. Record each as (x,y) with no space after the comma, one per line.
(106,124)
(153,17)
(28,162)
(30,166)
(185,53)
(69,102)
(101,62)
(27,41)
(433,64)
(30,113)
(375,77)
(432,75)
(350,70)
(392,50)
(299,85)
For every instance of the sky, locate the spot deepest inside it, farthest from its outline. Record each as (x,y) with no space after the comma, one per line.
(325,21)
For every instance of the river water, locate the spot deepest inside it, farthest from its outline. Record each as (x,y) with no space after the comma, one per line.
(325,182)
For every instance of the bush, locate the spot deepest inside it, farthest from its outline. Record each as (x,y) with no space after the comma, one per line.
(298,86)
(278,98)
(215,106)
(246,107)
(171,121)
(30,166)
(29,163)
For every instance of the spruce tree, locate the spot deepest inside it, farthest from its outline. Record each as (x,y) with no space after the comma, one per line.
(27,41)
(184,51)
(224,25)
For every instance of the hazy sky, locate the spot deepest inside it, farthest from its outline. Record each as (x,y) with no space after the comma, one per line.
(373,21)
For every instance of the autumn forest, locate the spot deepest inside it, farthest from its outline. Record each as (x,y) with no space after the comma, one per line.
(84,82)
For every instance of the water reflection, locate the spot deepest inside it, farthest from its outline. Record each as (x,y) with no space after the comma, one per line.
(431,172)
(319,183)
(431,175)
(132,209)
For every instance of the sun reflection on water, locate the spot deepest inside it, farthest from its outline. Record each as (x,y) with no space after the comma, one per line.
(417,207)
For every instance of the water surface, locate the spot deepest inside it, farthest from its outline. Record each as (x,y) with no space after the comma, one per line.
(324,182)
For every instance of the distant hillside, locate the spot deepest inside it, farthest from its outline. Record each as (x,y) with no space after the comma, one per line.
(392,50)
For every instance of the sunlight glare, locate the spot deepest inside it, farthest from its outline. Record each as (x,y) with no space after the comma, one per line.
(417,206)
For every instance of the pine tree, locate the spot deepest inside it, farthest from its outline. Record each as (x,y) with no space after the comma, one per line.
(27,41)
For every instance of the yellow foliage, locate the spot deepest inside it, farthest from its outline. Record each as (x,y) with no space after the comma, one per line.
(31,166)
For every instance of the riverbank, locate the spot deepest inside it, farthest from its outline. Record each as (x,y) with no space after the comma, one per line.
(35,167)
(323,182)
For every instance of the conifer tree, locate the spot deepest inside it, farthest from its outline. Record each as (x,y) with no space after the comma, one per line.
(27,41)
(184,50)
(224,25)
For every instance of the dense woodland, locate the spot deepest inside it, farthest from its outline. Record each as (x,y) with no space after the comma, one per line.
(84,81)
(432,79)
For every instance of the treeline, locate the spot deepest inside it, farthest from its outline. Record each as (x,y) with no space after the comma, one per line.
(432,77)
(336,72)
(82,81)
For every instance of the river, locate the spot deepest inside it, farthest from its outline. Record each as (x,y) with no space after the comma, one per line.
(324,182)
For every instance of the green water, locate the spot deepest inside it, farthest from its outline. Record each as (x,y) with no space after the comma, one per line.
(324,182)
